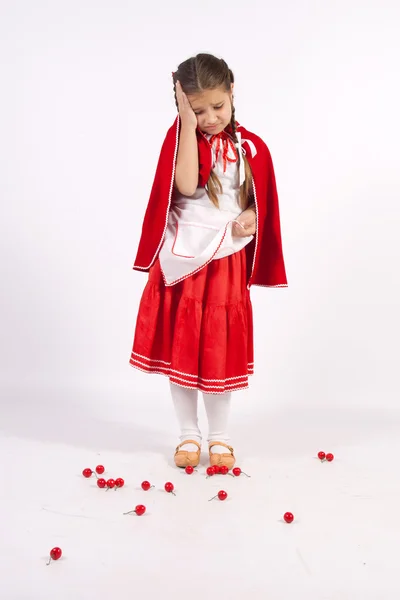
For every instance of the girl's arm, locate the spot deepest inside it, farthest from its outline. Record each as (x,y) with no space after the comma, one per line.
(187,163)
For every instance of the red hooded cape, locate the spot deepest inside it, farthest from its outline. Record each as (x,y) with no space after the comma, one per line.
(264,253)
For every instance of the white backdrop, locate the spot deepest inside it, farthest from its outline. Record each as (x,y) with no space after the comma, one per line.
(85,102)
(86,99)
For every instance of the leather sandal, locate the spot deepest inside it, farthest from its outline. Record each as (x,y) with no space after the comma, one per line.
(183,458)
(219,460)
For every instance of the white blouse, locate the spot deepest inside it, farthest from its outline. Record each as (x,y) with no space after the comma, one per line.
(199,232)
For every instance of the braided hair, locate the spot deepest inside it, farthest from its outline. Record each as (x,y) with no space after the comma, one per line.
(203,72)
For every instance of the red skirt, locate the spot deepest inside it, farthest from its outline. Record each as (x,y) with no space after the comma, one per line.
(198,332)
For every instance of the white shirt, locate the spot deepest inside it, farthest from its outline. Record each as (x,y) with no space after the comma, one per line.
(199,232)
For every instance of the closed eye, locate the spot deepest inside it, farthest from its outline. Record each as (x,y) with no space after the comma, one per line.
(215,107)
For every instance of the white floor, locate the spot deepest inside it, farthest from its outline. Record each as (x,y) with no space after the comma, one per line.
(344,542)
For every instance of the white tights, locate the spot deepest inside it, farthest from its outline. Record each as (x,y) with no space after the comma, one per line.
(217,409)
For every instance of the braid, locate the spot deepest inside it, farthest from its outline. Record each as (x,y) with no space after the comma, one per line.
(245,189)
(231,80)
(233,124)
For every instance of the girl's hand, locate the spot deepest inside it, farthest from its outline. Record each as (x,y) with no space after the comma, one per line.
(186,113)
(248,221)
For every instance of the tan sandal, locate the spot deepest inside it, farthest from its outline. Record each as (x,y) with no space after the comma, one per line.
(183,458)
(219,460)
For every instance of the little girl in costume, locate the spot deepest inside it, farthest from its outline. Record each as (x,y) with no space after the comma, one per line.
(211,230)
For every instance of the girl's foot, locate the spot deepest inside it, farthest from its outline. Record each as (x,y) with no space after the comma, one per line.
(221,454)
(189,456)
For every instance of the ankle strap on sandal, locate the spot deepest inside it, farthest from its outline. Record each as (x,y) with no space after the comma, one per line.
(211,444)
(188,442)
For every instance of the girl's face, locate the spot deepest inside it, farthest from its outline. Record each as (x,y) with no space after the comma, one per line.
(213,109)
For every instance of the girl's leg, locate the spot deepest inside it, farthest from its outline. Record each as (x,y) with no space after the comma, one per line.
(185,403)
(218,409)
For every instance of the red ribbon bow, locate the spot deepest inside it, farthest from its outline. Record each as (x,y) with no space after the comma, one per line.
(224,142)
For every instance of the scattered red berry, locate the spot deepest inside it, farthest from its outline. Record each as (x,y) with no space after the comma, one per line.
(237,471)
(321,455)
(110,483)
(146,485)
(169,487)
(288,517)
(100,469)
(210,471)
(139,510)
(329,457)
(119,483)
(55,554)
(88,473)
(189,470)
(224,470)
(222,495)
(217,469)
(101,483)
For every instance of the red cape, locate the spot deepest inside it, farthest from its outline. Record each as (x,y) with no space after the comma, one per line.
(264,254)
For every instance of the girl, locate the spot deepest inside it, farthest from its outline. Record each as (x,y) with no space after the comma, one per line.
(211,230)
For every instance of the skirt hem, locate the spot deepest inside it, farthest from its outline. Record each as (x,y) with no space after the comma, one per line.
(207,386)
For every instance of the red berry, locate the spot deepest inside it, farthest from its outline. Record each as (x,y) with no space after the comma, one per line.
(217,469)
(189,469)
(321,455)
(288,517)
(110,483)
(210,471)
(119,482)
(222,495)
(329,457)
(237,471)
(99,469)
(146,485)
(140,510)
(169,487)
(87,473)
(55,554)
(224,470)
(101,483)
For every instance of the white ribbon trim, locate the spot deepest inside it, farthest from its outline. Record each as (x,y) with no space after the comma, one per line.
(241,152)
